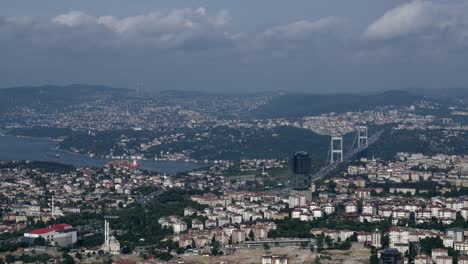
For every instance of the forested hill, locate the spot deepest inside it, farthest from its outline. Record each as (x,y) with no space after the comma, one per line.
(53,96)
(451,95)
(297,105)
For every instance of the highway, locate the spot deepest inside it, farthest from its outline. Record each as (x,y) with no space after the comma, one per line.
(151,196)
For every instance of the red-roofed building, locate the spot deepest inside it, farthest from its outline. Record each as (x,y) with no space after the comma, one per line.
(62,235)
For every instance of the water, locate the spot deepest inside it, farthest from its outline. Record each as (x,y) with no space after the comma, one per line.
(19,148)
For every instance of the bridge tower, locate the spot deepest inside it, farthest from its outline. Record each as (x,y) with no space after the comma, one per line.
(362,133)
(336,149)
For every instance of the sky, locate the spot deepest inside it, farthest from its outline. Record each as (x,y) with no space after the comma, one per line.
(230,46)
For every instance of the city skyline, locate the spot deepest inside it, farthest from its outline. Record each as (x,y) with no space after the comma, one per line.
(201,131)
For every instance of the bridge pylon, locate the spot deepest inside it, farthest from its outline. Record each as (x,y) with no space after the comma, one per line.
(362,134)
(336,149)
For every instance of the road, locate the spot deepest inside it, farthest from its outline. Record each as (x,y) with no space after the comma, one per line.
(151,196)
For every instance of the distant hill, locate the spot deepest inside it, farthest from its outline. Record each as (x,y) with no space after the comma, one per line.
(459,95)
(196,94)
(297,105)
(52,96)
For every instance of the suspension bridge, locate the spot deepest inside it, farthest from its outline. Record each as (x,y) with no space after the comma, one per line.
(336,155)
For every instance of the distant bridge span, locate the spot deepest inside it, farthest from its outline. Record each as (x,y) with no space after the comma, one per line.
(332,166)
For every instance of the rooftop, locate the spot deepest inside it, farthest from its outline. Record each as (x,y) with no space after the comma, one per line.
(52,228)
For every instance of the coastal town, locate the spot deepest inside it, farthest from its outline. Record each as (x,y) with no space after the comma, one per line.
(382,184)
(377,204)
(234,132)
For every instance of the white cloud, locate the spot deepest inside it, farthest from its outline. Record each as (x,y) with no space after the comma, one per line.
(419,16)
(176,20)
(222,18)
(164,29)
(16,22)
(73,18)
(301,28)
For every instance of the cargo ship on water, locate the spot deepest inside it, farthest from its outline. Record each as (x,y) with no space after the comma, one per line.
(124,164)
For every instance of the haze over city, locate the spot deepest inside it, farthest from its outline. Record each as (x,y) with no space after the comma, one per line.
(234,132)
(226,46)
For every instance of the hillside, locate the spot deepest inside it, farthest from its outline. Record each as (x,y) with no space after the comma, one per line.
(53,97)
(297,105)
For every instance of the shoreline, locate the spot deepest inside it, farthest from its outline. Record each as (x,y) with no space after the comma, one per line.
(110,159)
(70,152)
(30,137)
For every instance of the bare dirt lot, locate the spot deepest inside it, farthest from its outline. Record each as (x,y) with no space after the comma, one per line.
(356,255)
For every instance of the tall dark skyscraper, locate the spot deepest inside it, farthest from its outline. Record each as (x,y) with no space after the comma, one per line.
(300,168)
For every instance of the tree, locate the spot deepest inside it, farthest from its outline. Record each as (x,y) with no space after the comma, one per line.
(67,259)
(412,220)
(180,250)
(126,250)
(215,249)
(459,221)
(165,256)
(251,235)
(385,241)
(39,241)
(430,243)
(374,259)
(266,247)
(194,245)
(320,242)
(317,260)
(44,257)
(10,258)
(345,245)
(329,242)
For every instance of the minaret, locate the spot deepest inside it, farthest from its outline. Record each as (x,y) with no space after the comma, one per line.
(53,208)
(106,233)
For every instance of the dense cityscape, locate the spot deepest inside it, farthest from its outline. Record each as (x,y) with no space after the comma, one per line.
(234,132)
(264,191)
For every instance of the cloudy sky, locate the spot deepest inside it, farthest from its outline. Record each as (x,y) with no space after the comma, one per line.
(216,45)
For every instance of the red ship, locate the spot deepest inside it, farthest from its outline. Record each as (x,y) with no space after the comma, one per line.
(132,165)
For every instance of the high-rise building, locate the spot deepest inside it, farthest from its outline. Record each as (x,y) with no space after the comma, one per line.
(300,169)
